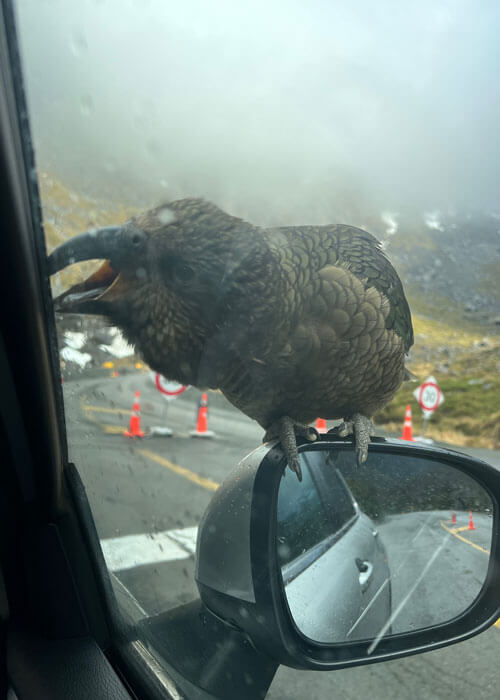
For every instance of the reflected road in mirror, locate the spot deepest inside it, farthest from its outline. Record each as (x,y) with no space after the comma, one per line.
(397,545)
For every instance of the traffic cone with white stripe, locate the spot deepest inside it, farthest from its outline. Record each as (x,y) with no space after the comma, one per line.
(201,429)
(135,419)
(407,426)
(321,426)
(471,524)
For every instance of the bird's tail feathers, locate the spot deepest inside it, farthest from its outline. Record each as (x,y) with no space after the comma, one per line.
(409,376)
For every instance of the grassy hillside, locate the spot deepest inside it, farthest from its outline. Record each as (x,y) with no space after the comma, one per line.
(467,368)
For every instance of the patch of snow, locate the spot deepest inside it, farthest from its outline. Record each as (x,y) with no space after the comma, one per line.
(79,358)
(432,221)
(389,219)
(119,347)
(75,340)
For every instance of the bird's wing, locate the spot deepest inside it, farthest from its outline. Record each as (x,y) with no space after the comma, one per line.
(360,253)
(309,249)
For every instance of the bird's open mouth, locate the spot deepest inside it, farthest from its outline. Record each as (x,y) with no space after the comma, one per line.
(106,284)
(93,289)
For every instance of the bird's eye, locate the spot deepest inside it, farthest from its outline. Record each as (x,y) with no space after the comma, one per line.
(136,239)
(184,273)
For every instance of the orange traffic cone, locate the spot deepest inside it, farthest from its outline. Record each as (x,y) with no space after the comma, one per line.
(135,419)
(407,426)
(471,524)
(201,429)
(453,519)
(321,426)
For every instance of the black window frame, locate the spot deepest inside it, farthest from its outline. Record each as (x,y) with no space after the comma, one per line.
(47,498)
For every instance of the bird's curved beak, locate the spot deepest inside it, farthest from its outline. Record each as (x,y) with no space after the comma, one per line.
(90,296)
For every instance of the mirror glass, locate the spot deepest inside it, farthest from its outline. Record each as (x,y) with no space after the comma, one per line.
(399,544)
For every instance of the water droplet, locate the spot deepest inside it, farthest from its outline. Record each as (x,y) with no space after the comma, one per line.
(78,44)
(153,149)
(165,216)
(86,105)
(283,551)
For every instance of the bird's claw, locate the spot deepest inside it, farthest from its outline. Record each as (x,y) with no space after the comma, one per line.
(306,431)
(294,464)
(361,428)
(286,430)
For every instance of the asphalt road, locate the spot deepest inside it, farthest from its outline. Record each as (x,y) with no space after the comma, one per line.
(148,496)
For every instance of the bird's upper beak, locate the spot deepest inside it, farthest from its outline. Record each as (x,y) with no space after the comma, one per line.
(113,244)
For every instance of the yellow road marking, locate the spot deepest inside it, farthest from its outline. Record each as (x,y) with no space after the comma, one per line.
(102,409)
(456,530)
(182,471)
(112,429)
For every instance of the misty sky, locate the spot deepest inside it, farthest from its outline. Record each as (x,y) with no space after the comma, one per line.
(278,111)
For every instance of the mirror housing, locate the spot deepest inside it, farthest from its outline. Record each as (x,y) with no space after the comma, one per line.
(239,576)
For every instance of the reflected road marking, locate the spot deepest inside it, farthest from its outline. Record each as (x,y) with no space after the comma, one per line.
(456,530)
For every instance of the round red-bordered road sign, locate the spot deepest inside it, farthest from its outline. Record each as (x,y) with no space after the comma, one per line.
(429,396)
(169,389)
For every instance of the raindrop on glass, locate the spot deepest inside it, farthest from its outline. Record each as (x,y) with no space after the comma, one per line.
(78,43)
(165,215)
(86,105)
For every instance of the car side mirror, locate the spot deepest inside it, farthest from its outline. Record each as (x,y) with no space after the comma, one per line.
(353,565)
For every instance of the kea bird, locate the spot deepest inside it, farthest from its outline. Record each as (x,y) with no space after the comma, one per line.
(290,323)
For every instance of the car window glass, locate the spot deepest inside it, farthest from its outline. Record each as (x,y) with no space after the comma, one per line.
(337,498)
(303,521)
(375,115)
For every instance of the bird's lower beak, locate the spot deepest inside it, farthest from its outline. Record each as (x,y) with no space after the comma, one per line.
(91,295)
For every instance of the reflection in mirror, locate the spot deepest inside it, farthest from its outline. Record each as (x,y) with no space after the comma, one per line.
(399,544)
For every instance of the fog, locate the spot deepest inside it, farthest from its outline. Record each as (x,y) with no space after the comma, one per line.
(277,111)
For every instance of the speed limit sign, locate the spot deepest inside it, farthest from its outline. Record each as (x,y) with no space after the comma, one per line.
(429,396)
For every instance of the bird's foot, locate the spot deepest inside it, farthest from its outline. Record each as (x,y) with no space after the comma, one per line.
(361,428)
(286,430)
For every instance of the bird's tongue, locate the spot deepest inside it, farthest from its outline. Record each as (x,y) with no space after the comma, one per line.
(92,288)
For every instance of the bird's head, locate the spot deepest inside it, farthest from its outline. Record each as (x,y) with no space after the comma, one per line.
(165,273)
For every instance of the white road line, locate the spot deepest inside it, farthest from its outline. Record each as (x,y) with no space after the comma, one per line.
(130,551)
